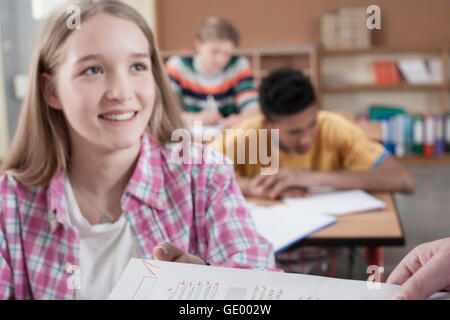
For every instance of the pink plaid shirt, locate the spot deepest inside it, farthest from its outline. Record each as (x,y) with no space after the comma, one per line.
(196,206)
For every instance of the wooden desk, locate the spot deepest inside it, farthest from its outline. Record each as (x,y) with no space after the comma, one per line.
(370,229)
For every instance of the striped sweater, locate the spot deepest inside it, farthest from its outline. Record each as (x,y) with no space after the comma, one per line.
(229,91)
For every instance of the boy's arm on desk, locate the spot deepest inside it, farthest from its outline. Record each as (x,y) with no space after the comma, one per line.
(389,176)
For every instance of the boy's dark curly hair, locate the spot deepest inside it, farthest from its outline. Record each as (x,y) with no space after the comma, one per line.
(285,91)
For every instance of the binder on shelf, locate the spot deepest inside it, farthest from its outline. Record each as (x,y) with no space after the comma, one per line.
(403,134)
(418,135)
(430,136)
(384,123)
(439,148)
(378,112)
(391,140)
(408,133)
(447,132)
(398,135)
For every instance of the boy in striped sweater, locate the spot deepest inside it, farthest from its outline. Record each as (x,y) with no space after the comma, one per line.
(213,85)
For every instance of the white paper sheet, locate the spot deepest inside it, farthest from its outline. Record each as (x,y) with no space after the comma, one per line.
(157,280)
(285,224)
(337,202)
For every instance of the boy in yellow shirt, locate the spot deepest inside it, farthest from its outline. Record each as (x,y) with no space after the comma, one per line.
(314,148)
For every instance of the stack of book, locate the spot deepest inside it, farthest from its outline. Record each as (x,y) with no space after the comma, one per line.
(404,134)
(328,27)
(345,28)
(386,72)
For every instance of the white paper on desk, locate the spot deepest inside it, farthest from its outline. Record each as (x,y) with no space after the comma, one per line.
(338,202)
(157,280)
(284,224)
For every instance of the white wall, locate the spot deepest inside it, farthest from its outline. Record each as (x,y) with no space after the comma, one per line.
(3,122)
(148,10)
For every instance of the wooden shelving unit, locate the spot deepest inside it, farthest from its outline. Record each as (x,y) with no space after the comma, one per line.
(265,59)
(416,159)
(442,87)
(379,50)
(379,87)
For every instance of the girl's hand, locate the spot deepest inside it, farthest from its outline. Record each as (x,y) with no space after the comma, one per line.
(166,251)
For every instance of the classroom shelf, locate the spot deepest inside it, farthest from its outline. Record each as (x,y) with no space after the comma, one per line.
(417,159)
(442,88)
(277,50)
(379,50)
(379,87)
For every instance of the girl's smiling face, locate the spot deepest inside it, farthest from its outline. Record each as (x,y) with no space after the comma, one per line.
(104,85)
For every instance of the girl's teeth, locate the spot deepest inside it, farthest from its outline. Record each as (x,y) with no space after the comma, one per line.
(118,117)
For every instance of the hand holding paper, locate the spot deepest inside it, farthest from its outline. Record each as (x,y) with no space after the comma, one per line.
(166,251)
(424,271)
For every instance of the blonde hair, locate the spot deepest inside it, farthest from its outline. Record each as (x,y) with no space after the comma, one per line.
(218,28)
(40,148)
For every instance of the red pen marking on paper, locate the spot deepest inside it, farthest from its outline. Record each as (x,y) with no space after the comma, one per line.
(148,265)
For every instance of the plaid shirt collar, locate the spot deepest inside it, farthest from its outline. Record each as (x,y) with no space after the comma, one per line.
(146,185)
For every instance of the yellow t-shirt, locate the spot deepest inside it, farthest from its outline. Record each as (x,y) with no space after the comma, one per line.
(339,144)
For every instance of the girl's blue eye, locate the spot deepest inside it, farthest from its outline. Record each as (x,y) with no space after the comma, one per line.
(92,71)
(139,67)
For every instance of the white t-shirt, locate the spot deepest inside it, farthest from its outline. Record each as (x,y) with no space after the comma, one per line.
(105,250)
